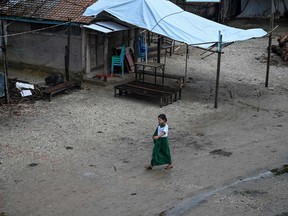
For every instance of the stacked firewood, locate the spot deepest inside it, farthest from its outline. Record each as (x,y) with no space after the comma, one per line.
(282,48)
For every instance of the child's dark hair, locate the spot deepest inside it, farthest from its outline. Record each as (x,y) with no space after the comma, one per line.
(163,117)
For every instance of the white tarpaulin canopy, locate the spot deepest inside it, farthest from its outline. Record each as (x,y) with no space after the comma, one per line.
(167,19)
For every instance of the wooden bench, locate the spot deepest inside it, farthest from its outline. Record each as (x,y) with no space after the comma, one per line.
(123,89)
(61,87)
(164,95)
(170,76)
(176,91)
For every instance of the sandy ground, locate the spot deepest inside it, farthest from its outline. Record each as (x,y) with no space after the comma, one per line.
(84,152)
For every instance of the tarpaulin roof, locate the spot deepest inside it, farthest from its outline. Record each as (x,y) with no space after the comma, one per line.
(167,19)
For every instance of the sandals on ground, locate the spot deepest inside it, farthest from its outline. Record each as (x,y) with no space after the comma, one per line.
(169,166)
(149,167)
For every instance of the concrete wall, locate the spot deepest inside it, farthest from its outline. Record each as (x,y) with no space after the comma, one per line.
(42,49)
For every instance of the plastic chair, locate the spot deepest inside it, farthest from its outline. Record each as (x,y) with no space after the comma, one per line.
(142,48)
(118,60)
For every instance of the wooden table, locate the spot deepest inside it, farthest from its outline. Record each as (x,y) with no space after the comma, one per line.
(154,65)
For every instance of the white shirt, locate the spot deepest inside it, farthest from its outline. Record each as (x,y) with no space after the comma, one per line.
(163,129)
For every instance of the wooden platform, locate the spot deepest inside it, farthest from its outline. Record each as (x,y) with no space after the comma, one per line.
(62,87)
(164,94)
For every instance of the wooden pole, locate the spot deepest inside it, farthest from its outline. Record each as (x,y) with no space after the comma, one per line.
(106,44)
(218,69)
(67,52)
(136,44)
(83,50)
(269,45)
(3,47)
(220,12)
(146,49)
(186,64)
(158,48)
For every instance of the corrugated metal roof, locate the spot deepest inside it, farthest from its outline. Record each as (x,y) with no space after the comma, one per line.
(56,10)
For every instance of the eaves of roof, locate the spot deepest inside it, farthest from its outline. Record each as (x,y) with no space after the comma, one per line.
(54,10)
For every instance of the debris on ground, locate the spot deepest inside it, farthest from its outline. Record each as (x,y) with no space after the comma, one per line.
(105,76)
(281,170)
(32,164)
(282,48)
(54,79)
(17,92)
(221,152)
(20,100)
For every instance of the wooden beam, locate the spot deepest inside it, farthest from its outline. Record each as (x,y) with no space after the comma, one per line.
(88,54)
(186,64)
(84,41)
(158,49)
(106,44)
(67,52)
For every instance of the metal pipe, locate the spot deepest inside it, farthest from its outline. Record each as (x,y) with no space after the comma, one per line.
(218,69)
(269,45)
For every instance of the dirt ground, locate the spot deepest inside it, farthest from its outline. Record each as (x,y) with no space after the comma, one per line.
(84,153)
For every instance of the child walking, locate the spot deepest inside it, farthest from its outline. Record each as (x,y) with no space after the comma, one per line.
(161,151)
